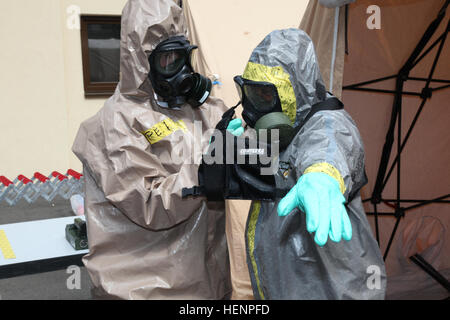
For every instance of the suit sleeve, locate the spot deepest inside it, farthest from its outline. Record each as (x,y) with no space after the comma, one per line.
(330,142)
(134,179)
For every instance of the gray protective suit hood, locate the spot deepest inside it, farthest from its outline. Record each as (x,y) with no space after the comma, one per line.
(283,48)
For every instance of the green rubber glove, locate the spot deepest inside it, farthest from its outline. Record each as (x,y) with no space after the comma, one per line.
(235,127)
(318,195)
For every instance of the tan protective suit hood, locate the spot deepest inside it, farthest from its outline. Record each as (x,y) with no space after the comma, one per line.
(145,241)
(144,25)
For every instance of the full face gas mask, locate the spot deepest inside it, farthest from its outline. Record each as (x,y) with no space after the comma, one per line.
(172,75)
(262,109)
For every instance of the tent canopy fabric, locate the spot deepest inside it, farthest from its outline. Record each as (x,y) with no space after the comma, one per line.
(424,174)
(372,53)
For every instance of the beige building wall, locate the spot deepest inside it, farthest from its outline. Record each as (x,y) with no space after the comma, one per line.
(42,97)
(79,108)
(33,119)
(228,31)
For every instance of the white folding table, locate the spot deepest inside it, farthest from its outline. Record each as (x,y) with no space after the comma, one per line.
(36,246)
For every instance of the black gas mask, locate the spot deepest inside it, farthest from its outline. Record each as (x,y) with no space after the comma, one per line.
(172,75)
(262,109)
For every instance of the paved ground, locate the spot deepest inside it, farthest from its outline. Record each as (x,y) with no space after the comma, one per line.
(42,286)
(53,285)
(39,210)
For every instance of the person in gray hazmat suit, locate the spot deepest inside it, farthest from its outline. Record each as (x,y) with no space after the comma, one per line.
(288,252)
(145,242)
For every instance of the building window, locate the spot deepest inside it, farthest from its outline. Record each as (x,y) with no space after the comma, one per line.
(100,45)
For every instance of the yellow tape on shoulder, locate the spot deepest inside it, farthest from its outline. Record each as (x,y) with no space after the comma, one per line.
(278,77)
(330,170)
(163,129)
(5,246)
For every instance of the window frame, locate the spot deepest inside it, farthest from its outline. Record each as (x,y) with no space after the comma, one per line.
(94,88)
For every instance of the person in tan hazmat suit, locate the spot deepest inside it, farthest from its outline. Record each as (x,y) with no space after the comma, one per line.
(145,241)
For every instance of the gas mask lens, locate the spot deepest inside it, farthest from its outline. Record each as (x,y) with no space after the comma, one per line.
(169,63)
(262,96)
